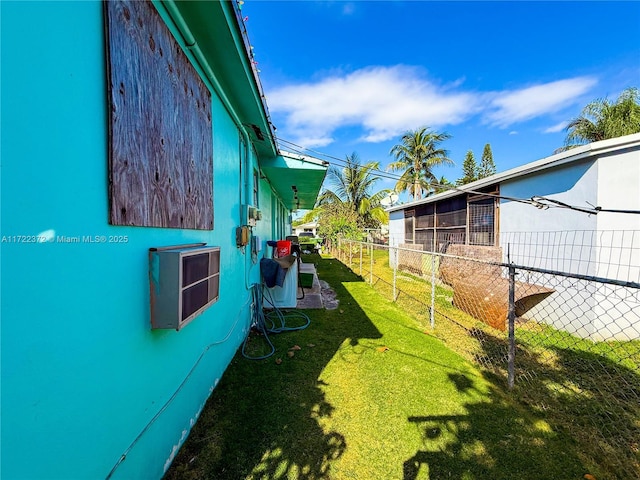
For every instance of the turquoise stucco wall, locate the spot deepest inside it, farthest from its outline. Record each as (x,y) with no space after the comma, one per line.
(84,379)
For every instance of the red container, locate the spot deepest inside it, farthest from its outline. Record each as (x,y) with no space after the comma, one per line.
(283,248)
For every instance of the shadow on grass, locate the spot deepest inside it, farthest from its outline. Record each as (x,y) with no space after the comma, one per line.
(262,421)
(491,440)
(595,398)
(587,395)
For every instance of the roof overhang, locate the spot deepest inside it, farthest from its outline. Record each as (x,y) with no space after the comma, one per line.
(216,30)
(577,154)
(296,179)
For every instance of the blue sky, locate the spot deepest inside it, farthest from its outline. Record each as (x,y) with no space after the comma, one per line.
(352,76)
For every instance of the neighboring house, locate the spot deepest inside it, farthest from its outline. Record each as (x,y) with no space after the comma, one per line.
(377,235)
(128,126)
(491,219)
(310,227)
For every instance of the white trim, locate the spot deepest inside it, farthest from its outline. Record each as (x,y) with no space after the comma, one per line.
(303,158)
(569,156)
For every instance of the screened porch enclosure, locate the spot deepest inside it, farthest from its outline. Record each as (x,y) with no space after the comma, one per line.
(469,219)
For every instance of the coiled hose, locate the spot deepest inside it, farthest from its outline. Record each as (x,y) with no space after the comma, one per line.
(272,322)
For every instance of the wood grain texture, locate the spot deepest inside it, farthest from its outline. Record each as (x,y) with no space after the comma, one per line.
(161,139)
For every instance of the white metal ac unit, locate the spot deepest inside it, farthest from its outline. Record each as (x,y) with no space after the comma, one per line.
(184,282)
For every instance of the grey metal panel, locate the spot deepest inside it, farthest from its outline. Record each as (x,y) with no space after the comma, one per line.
(168,289)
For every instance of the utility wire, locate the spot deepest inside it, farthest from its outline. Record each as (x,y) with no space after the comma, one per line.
(380,173)
(591,211)
(540,202)
(335,161)
(123,457)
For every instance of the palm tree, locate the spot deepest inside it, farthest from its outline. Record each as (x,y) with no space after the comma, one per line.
(352,186)
(602,119)
(443,185)
(417,155)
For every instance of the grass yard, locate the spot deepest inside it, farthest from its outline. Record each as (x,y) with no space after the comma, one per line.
(369,395)
(589,390)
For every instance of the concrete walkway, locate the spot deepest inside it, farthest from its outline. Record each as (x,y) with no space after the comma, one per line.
(312,296)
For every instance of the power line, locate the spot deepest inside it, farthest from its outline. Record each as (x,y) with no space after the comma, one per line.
(593,210)
(335,161)
(340,162)
(540,202)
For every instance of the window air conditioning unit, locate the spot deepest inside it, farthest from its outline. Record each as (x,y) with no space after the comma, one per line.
(253,215)
(184,282)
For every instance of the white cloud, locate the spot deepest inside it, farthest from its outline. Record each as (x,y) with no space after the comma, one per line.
(384,102)
(513,132)
(513,106)
(556,128)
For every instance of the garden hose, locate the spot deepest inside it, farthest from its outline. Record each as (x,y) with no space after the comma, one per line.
(272,322)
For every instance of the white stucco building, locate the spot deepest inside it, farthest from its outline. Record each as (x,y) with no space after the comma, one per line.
(497,212)
(309,227)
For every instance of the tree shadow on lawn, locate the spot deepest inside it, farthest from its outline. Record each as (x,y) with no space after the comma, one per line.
(262,421)
(597,400)
(584,395)
(493,439)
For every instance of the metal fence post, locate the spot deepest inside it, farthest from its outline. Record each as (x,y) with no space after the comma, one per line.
(432,314)
(371,267)
(350,253)
(361,245)
(433,290)
(395,271)
(512,330)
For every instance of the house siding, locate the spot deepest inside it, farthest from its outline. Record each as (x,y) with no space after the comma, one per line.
(84,378)
(618,188)
(606,245)
(396,228)
(611,181)
(574,184)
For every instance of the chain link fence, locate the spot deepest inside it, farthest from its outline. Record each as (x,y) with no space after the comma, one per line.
(554,316)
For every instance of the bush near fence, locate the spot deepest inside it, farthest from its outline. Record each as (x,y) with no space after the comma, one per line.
(577,352)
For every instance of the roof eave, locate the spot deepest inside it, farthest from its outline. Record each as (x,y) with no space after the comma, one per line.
(296,179)
(217,30)
(569,156)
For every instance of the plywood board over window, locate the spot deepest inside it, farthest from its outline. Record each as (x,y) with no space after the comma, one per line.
(160,138)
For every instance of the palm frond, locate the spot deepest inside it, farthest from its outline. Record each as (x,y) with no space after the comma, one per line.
(418,154)
(601,119)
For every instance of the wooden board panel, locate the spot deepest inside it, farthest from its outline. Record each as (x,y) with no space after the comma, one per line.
(161,139)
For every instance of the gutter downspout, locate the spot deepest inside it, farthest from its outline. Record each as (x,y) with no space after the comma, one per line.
(193,47)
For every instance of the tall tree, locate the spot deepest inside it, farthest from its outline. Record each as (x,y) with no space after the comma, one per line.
(443,185)
(338,220)
(487,166)
(603,119)
(417,154)
(351,186)
(469,169)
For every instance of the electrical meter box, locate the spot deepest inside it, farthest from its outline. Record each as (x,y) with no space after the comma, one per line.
(253,215)
(184,282)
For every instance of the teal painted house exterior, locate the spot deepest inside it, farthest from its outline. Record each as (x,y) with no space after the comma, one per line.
(89,389)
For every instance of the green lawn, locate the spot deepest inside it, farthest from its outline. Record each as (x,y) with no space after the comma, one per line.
(588,389)
(369,395)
